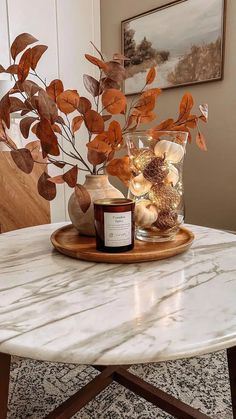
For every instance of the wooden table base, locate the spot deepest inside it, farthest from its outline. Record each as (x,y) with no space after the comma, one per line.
(121,375)
(5,363)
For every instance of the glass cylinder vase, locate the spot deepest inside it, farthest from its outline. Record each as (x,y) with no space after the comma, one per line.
(156,184)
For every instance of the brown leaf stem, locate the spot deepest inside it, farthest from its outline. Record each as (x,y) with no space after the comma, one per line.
(59,161)
(35,74)
(99,52)
(132,106)
(80,158)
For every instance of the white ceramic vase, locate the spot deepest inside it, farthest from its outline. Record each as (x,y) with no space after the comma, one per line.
(98,187)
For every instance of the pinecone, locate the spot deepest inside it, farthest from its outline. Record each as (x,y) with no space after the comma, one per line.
(166,220)
(156,171)
(165,197)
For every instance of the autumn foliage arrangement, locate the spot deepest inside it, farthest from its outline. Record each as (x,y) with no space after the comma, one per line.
(55,116)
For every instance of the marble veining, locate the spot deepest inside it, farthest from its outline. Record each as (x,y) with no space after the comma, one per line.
(60,309)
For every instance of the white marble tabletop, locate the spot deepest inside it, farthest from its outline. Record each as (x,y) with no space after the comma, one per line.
(56,308)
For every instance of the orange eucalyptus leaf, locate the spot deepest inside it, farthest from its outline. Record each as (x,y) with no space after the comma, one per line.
(60,120)
(45,188)
(47,137)
(23,159)
(180,138)
(145,103)
(152,92)
(99,149)
(107,83)
(83,197)
(24,65)
(114,134)
(70,177)
(45,106)
(35,148)
(201,142)
(12,69)
(57,179)
(20,43)
(185,107)
(94,122)
(17,104)
(5,106)
(180,128)
(91,85)
(96,157)
(189,136)
(76,123)
(59,164)
(191,121)
(55,88)
(164,125)
(34,128)
(100,144)
(24,112)
(115,71)
(120,168)
(100,137)
(106,117)
(37,53)
(84,105)
(94,60)
(68,101)
(56,128)
(151,75)
(25,125)
(114,101)
(147,117)
(30,87)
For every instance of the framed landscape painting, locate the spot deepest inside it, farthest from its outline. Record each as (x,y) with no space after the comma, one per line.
(184,40)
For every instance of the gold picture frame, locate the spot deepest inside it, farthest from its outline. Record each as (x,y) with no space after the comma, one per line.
(184,42)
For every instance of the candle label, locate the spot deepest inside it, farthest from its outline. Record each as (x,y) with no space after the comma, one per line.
(117,229)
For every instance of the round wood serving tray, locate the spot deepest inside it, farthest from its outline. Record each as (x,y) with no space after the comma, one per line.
(67,241)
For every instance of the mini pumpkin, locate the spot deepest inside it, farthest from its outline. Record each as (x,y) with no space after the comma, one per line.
(145,213)
(139,185)
(173,152)
(173,175)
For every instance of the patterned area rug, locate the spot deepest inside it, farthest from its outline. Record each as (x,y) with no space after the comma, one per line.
(37,387)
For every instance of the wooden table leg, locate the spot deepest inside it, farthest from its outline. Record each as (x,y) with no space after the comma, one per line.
(119,374)
(5,362)
(231,355)
(154,395)
(76,402)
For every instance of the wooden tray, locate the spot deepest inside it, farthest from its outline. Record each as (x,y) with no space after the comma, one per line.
(67,241)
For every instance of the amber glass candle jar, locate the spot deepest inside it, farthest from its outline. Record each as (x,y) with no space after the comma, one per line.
(114,224)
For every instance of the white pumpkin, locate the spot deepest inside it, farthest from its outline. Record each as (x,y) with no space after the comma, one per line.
(139,185)
(174,152)
(145,213)
(173,175)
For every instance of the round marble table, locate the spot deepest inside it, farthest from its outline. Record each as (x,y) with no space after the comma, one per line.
(56,308)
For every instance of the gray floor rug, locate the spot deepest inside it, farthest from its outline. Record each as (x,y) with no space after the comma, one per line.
(37,387)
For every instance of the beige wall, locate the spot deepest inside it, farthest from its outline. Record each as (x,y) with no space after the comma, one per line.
(210,178)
